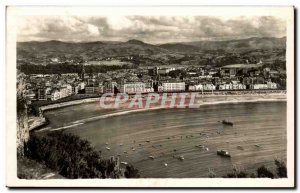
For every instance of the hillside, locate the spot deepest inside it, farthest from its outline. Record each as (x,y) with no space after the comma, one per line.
(242,44)
(179,47)
(43,51)
(86,50)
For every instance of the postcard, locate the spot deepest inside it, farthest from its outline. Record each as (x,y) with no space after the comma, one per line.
(153,97)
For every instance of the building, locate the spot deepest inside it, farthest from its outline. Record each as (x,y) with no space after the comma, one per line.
(226,86)
(109,86)
(160,88)
(65,91)
(135,87)
(198,87)
(260,86)
(238,86)
(41,94)
(173,86)
(149,89)
(271,85)
(234,69)
(164,71)
(209,86)
(93,89)
(55,95)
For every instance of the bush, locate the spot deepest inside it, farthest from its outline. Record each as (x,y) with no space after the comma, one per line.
(237,173)
(131,172)
(281,169)
(263,172)
(71,156)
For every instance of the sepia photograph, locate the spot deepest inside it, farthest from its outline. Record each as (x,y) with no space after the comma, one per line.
(150,96)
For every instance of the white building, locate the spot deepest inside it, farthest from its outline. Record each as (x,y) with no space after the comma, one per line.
(63,92)
(55,95)
(66,91)
(160,89)
(260,86)
(149,89)
(137,87)
(271,85)
(198,87)
(209,87)
(165,70)
(238,86)
(173,86)
(225,86)
(94,89)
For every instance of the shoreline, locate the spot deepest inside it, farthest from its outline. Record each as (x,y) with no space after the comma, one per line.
(235,99)
(215,95)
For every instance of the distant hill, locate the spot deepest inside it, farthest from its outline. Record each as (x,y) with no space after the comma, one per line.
(242,44)
(179,47)
(91,50)
(87,49)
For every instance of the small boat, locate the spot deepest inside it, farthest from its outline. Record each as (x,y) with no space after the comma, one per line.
(166,164)
(225,122)
(148,141)
(151,157)
(240,147)
(223,153)
(121,144)
(108,148)
(181,158)
(125,163)
(200,146)
(257,145)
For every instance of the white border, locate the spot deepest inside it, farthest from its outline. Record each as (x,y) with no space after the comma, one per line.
(12,14)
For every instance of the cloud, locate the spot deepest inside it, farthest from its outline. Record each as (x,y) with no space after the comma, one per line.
(152,29)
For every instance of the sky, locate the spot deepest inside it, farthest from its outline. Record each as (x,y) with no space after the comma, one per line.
(150,29)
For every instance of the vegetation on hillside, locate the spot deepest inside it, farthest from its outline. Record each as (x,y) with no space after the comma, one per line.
(261,172)
(68,68)
(73,157)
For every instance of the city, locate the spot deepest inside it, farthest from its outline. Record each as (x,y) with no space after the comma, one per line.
(147,79)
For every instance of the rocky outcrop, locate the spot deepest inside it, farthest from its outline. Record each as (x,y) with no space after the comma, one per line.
(22,130)
(22,116)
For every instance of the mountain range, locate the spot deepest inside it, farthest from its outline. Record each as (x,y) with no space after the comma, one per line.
(135,47)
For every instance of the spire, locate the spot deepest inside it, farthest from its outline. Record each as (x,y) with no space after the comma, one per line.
(82,72)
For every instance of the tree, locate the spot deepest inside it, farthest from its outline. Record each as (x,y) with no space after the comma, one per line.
(281,168)
(263,172)
(237,173)
(73,157)
(131,172)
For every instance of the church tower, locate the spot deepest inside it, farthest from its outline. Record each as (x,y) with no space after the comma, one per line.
(82,72)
